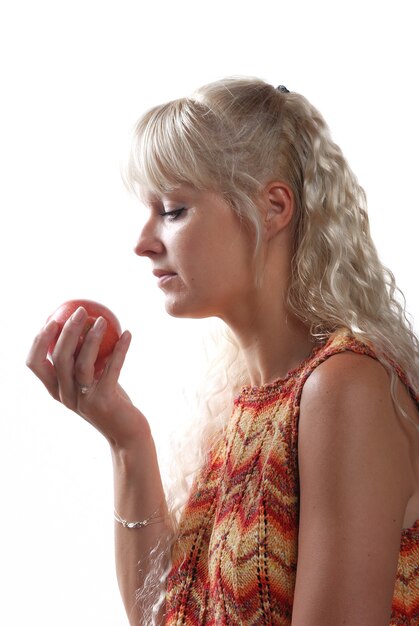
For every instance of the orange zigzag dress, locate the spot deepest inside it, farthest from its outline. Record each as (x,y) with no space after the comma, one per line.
(236,557)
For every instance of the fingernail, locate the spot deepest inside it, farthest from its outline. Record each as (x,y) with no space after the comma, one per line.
(50,325)
(78,315)
(99,324)
(125,337)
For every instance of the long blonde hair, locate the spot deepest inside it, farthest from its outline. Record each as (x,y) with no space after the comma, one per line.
(236,134)
(233,136)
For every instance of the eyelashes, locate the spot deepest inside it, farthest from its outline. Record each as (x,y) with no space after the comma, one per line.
(172,215)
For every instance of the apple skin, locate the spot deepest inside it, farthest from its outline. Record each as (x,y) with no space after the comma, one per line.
(94,310)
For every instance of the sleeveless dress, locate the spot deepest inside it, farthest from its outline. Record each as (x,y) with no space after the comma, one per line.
(236,556)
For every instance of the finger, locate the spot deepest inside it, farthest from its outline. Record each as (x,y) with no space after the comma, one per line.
(64,354)
(41,343)
(84,367)
(110,375)
(37,359)
(69,339)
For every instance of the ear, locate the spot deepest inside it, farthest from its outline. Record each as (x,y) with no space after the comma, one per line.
(278,207)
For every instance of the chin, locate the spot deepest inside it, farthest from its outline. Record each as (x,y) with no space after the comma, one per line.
(185,310)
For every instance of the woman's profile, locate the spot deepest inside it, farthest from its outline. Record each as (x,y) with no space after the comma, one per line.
(304,509)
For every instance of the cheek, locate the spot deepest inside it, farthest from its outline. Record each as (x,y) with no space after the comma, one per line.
(229,270)
(212,256)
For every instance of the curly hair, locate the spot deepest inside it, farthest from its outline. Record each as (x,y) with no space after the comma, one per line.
(235,135)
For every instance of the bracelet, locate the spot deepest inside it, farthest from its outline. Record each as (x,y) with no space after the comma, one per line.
(139,524)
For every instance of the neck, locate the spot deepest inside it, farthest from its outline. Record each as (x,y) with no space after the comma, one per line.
(271,339)
(272,347)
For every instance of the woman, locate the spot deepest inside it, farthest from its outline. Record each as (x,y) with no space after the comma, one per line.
(305,510)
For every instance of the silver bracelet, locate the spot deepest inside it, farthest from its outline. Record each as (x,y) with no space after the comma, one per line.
(139,524)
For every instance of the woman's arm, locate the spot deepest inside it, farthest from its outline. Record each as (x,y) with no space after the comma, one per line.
(141,553)
(138,488)
(356,479)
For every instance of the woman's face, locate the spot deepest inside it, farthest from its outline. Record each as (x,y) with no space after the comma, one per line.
(200,253)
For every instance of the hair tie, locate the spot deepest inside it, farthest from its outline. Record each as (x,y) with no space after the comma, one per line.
(282,89)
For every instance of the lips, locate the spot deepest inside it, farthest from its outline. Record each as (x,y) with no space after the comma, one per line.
(163,273)
(164,276)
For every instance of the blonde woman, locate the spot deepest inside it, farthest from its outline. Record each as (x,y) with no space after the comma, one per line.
(305,510)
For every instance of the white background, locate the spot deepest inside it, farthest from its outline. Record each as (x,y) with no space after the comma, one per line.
(75,76)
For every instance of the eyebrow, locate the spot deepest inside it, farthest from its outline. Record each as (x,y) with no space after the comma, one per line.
(184,193)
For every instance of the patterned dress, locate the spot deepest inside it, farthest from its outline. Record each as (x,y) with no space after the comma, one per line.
(236,557)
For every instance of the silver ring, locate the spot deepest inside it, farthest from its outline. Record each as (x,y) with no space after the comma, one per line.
(84,388)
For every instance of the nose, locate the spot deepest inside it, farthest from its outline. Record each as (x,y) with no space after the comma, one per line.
(149,244)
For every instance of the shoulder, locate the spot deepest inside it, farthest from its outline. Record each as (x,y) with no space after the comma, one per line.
(341,373)
(359,386)
(349,383)
(349,392)
(349,426)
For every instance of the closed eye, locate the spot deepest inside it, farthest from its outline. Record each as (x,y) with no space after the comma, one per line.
(172,215)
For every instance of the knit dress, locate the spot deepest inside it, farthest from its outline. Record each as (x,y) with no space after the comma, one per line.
(235,559)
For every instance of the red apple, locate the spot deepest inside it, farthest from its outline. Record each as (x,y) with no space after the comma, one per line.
(94,310)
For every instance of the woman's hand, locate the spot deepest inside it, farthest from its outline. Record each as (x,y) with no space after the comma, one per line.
(95,395)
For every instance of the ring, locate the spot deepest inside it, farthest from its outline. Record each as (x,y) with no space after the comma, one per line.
(84,388)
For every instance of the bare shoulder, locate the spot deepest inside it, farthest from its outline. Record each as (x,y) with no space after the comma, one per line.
(358,385)
(342,373)
(349,424)
(348,391)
